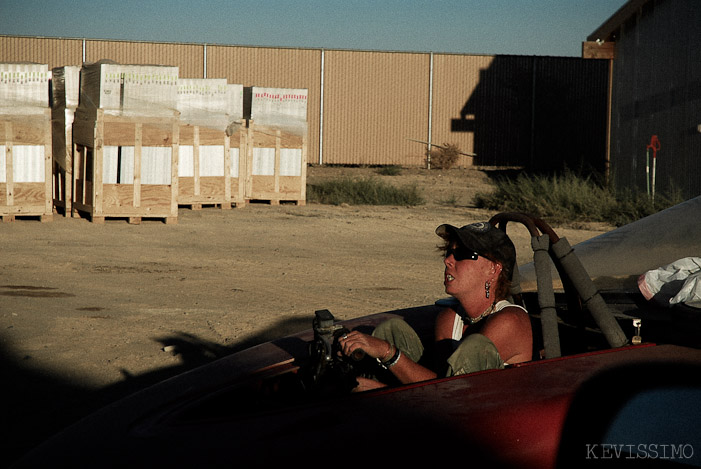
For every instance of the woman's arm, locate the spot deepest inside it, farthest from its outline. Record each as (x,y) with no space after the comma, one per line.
(405,369)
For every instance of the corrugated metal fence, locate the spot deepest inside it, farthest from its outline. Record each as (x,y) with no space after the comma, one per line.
(543,113)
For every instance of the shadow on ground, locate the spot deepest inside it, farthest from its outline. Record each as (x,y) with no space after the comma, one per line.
(39,404)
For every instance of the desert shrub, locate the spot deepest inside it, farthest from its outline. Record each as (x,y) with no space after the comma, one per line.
(366,191)
(390,170)
(443,157)
(568,198)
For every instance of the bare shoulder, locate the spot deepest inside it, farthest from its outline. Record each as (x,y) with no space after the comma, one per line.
(510,331)
(510,318)
(512,313)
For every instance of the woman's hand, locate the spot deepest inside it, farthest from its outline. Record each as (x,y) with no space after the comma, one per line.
(372,346)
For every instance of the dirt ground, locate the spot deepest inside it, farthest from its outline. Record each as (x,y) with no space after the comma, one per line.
(91,312)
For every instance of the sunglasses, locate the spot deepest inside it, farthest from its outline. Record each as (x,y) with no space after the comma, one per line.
(460,253)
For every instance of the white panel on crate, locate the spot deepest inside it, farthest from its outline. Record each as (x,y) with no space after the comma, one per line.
(212,160)
(28,163)
(3,177)
(234,162)
(110,164)
(186,161)
(263,162)
(155,165)
(290,162)
(126,170)
(114,163)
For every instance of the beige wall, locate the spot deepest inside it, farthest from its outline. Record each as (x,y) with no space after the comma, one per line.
(455,78)
(53,52)
(374,102)
(189,58)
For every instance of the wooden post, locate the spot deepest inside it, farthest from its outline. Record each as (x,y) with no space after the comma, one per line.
(227,174)
(9,169)
(97,161)
(138,139)
(196,160)
(174,181)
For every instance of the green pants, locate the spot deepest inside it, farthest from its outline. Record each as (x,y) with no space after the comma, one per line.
(474,352)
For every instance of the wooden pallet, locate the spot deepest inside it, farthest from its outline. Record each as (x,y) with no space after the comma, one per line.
(97,199)
(100,220)
(12,218)
(20,198)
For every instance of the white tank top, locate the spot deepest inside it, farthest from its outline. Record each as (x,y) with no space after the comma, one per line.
(459,324)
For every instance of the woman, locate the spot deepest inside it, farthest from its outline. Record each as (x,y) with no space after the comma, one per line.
(480,331)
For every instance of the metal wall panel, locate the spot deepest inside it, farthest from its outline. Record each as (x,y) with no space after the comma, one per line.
(50,51)
(189,58)
(657,91)
(273,68)
(374,103)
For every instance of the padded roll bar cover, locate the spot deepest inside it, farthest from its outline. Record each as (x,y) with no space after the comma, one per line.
(589,294)
(546,296)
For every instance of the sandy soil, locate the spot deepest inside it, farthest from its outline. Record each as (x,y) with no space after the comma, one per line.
(91,312)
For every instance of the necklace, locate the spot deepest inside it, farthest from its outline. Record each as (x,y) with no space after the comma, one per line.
(489,311)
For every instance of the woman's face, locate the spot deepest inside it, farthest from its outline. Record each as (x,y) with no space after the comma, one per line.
(467,276)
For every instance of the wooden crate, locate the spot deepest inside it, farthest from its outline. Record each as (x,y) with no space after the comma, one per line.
(65,96)
(62,138)
(26,193)
(276,165)
(133,198)
(238,148)
(210,185)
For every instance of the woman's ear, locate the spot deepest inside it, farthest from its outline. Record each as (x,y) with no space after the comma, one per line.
(496,267)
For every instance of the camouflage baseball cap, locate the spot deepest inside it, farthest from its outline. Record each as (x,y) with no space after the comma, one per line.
(486,240)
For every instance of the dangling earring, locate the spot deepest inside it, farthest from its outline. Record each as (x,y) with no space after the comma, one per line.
(487,284)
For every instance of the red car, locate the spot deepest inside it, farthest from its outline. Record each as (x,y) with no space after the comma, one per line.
(619,385)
